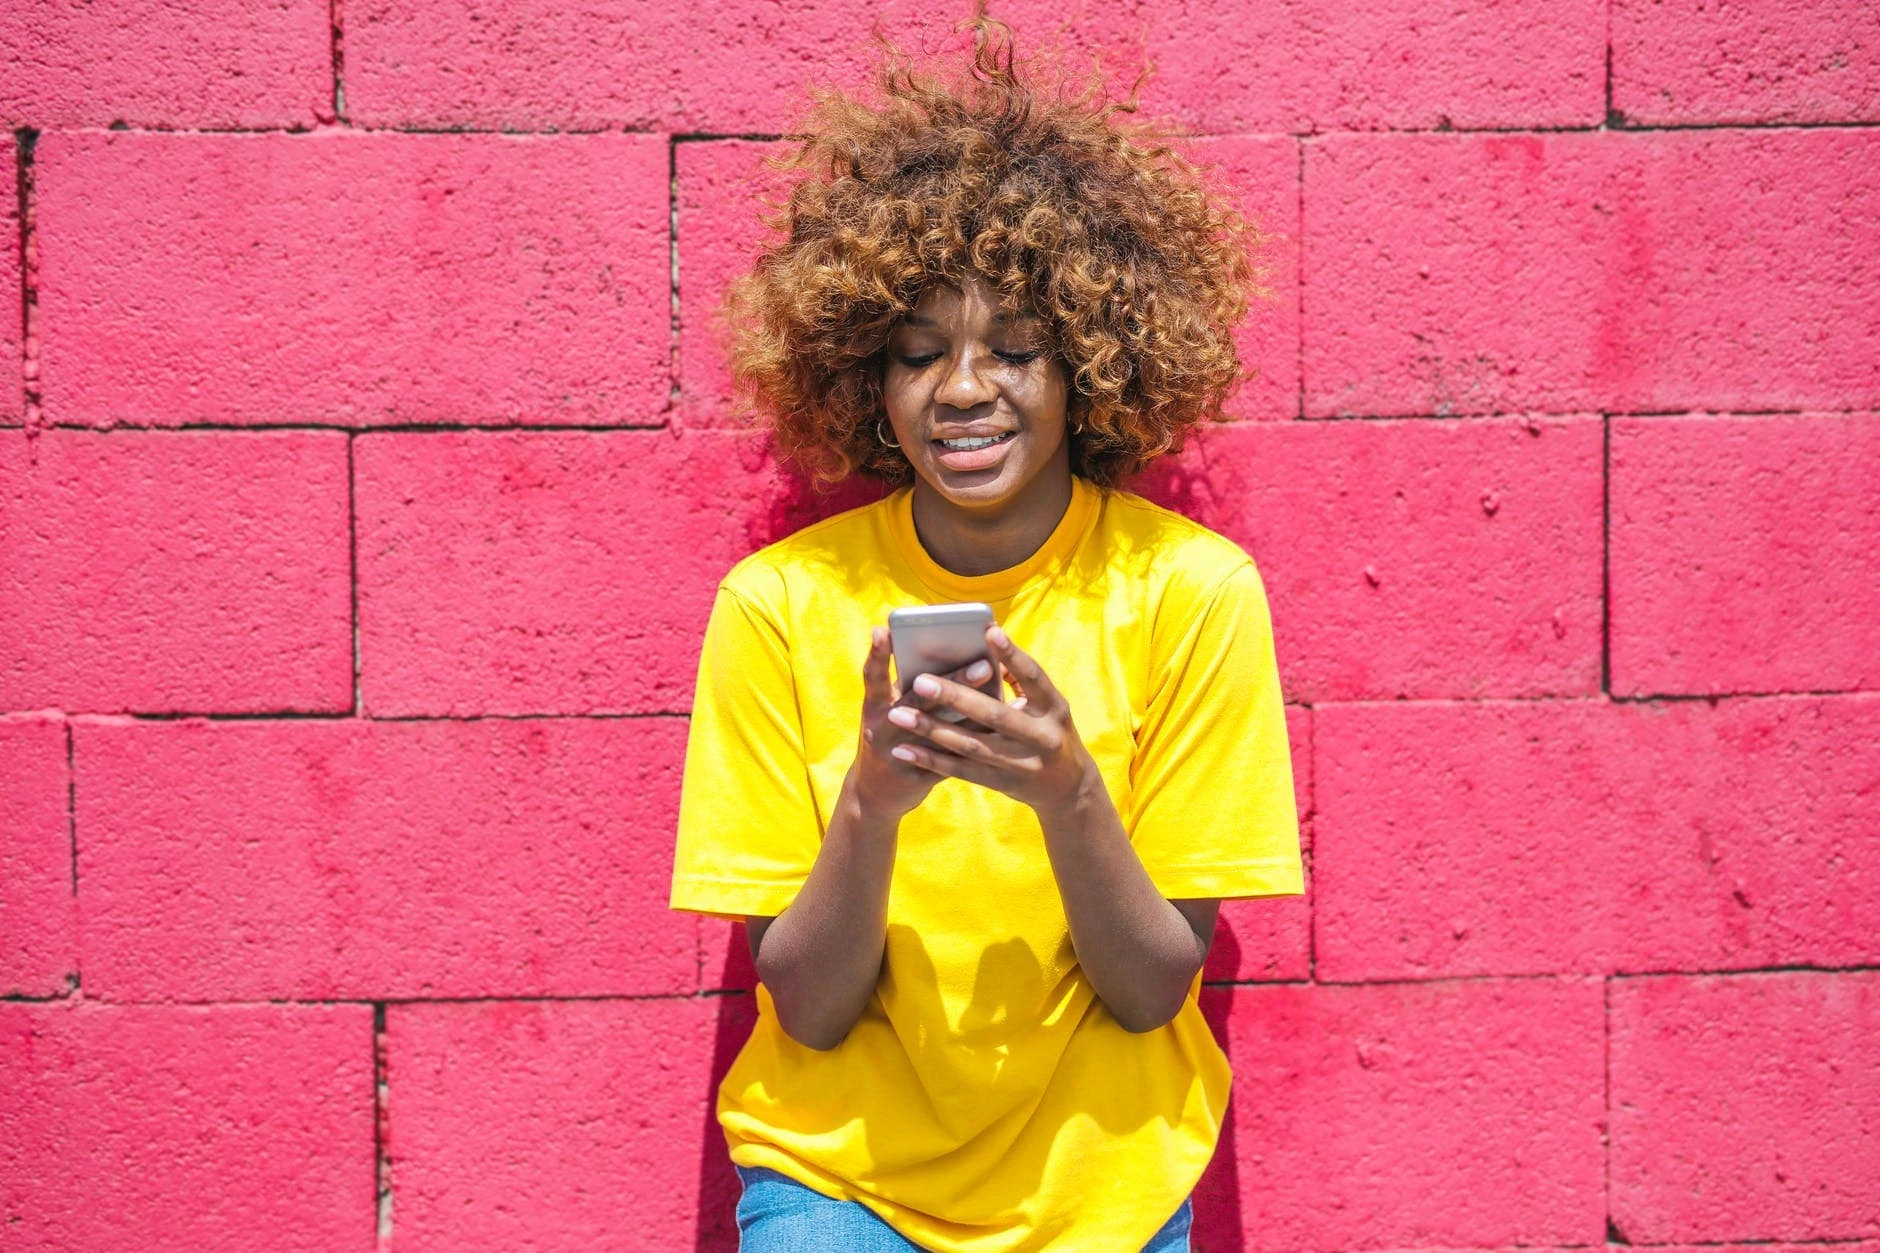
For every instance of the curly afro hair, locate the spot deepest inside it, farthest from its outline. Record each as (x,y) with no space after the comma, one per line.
(1141,268)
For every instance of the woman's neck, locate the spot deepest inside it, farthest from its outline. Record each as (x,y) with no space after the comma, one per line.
(971,542)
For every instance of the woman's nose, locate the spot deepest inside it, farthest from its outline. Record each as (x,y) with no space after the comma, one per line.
(963,387)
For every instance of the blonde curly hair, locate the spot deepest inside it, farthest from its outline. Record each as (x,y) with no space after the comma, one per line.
(1140,267)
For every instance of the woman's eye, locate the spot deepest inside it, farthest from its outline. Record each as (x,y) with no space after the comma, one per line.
(1016,358)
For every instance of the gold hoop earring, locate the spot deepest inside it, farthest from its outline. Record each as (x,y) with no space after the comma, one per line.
(1077,428)
(883,439)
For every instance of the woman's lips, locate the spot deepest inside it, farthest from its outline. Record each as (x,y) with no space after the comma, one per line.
(974,458)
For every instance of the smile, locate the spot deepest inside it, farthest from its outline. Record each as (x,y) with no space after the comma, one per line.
(976,441)
(964,453)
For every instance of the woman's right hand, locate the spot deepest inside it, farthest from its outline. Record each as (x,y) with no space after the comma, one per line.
(883,784)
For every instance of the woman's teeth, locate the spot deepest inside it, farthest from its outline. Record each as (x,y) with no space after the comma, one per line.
(977,441)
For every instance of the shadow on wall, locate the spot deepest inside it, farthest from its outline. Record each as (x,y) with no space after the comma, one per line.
(791,500)
(717,1183)
(1217,1227)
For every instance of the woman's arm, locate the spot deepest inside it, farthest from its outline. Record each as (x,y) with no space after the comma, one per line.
(1139,950)
(821,957)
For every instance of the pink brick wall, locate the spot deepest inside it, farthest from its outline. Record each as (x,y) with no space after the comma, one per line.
(367,474)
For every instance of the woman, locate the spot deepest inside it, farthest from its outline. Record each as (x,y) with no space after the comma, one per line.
(979,943)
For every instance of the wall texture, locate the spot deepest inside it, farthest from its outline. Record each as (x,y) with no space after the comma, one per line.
(369,475)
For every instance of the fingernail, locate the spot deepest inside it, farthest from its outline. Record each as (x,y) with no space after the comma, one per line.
(927,685)
(902,716)
(978,670)
(902,752)
(997,636)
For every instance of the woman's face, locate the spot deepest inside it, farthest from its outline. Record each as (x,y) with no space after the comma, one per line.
(976,396)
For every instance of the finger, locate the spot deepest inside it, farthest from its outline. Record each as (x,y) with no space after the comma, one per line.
(960,739)
(937,693)
(972,674)
(1027,675)
(876,691)
(936,762)
(977,670)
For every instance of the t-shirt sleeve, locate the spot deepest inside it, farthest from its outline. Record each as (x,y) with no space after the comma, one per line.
(748,828)
(1211,811)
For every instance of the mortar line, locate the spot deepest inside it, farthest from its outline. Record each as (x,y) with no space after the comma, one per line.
(336,26)
(1311,825)
(1673,698)
(1730,1246)
(352,572)
(1613,1234)
(1368,981)
(1613,119)
(1547,698)
(590,428)
(1628,126)
(1529,976)
(1299,285)
(71,804)
(400,428)
(348,715)
(371,999)
(672,228)
(26,204)
(1590,409)
(75,980)
(1782,968)
(1605,554)
(381,1127)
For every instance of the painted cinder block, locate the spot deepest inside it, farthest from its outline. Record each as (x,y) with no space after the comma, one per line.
(1461,1113)
(555,572)
(732,68)
(213,63)
(560,1124)
(175,571)
(38,916)
(1260,174)
(186,1127)
(1710,269)
(351,278)
(1745,554)
(1412,559)
(1746,1107)
(1549,837)
(1696,62)
(365,859)
(723,195)
(1306,65)
(724,187)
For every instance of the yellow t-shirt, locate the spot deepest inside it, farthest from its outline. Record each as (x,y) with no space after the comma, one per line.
(986,1101)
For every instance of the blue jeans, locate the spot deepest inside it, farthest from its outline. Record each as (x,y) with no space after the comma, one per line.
(777,1214)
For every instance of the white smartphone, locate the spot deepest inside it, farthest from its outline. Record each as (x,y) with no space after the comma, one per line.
(939,639)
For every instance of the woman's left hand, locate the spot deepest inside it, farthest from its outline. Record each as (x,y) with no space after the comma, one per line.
(1027,749)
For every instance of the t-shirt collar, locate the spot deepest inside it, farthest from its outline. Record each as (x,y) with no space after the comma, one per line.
(999,585)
